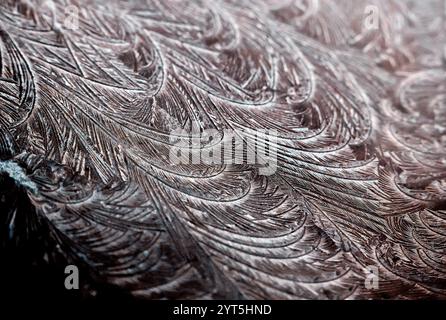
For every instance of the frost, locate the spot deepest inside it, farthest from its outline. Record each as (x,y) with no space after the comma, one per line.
(18,175)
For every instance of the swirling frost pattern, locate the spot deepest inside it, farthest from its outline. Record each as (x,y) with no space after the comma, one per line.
(360,117)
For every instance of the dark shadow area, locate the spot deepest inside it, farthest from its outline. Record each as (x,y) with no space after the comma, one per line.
(31,267)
